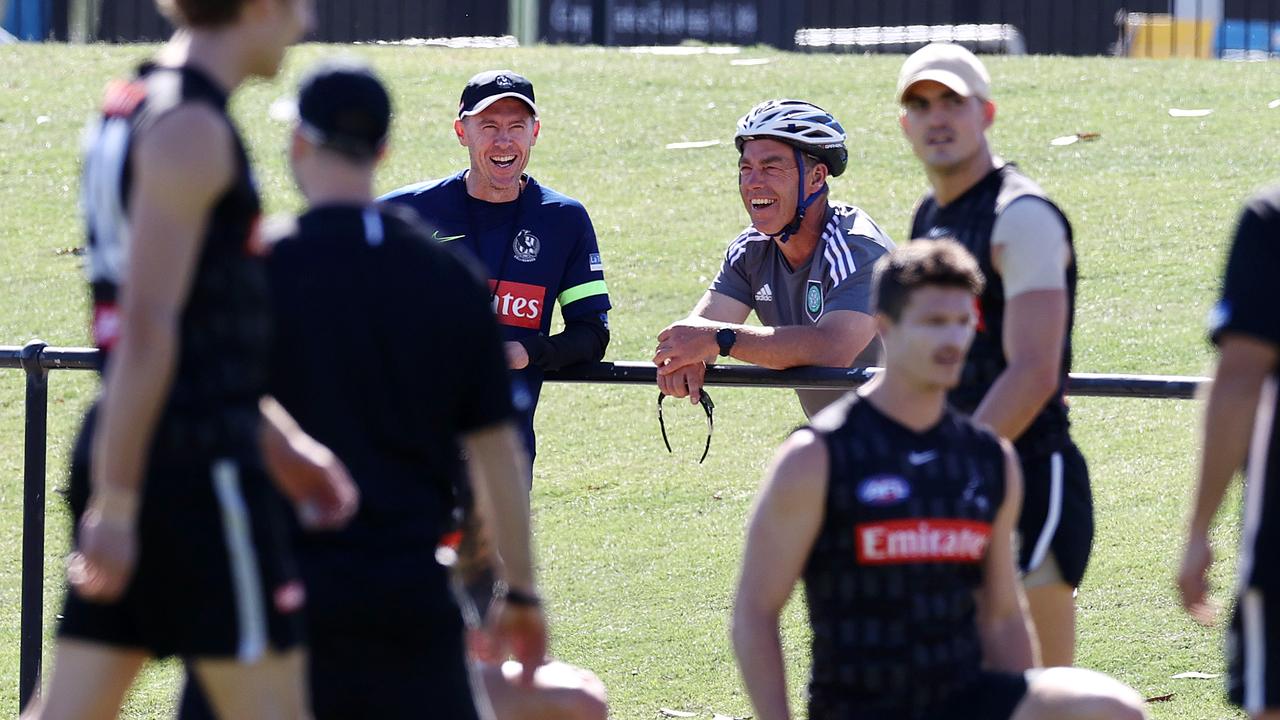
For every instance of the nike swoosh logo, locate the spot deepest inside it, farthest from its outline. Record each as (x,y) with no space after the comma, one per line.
(445,238)
(920,458)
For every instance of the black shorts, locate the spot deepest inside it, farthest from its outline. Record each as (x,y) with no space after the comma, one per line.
(1057,512)
(1253,652)
(386,638)
(215,575)
(991,696)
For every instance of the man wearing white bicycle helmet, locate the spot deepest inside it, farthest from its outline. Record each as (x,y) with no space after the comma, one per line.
(803,264)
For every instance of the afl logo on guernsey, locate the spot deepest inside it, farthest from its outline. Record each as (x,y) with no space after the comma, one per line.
(882,490)
(526,246)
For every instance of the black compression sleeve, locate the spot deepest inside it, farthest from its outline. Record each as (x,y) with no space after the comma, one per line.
(582,340)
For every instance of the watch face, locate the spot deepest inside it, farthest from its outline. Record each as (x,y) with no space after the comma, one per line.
(725,338)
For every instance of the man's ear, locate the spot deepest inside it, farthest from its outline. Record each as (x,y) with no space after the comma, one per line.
(537,128)
(988,114)
(817,176)
(461,131)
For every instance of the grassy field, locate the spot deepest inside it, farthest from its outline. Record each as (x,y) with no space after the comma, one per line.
(638,550)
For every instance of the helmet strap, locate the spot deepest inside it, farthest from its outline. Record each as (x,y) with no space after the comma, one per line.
(801,205)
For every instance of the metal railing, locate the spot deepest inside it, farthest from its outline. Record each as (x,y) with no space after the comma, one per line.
(36,359)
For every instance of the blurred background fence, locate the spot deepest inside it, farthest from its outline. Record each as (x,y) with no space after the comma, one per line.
(1228,29)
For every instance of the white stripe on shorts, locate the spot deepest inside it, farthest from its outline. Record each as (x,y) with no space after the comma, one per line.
(250,614)
(1253,635)
(1054,515)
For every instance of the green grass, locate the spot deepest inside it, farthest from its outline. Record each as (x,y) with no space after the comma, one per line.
(639,549)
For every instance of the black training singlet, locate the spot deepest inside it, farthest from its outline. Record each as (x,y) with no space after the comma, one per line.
(891,578)
(969,219)
(225,328)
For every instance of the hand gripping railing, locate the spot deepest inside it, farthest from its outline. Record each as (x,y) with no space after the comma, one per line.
(36,359)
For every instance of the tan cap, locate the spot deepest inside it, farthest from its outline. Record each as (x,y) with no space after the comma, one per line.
(949,64)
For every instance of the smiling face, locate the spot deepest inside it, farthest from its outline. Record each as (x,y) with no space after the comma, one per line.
(498,140)
(947,131)
(927,344)
(767,181)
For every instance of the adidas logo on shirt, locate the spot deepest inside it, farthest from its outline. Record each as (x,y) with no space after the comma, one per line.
(764,294)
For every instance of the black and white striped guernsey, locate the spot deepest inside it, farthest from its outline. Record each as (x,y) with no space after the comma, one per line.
(225,326)
(890,580)
(969,219)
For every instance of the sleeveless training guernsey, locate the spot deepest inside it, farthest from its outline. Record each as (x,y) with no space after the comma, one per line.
(891,578)
(969,219)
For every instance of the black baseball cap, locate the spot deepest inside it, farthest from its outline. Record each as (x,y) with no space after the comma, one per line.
(343,106)
(491,86)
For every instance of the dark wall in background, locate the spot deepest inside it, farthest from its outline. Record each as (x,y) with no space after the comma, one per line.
(669,22)
(336,20)
(1082,27)
(1071,27)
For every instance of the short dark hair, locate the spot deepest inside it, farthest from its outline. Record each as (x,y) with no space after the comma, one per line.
(919,263)
(200,13)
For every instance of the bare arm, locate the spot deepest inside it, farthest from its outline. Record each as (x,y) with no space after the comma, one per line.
(308,473)
(834,342)
(1030,250)
(180,166)
(1035,326)
(498,466)
(783,527)
(1228,424)
(1008,642)
(687,380)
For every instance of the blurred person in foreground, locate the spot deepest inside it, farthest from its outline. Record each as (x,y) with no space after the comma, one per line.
(898,512)
(176,515)
(386,633)
(1241,432)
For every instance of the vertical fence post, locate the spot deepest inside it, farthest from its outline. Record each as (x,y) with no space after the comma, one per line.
(33,474)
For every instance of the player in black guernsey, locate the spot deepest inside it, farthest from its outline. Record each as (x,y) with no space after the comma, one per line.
(898,512)
(1242,430)
(386,634)
(179,548)
(1015,373)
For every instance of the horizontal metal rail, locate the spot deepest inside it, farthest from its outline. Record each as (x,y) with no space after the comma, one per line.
(1179,387)
(36,360)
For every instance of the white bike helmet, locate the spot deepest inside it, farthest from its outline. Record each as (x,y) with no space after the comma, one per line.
(804,126)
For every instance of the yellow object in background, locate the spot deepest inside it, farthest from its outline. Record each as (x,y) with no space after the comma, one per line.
(1160,35)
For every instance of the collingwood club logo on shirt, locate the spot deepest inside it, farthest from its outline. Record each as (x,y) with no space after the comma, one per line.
(813,300)
(526,246)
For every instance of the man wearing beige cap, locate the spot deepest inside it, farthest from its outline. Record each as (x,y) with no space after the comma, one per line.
(1015,372)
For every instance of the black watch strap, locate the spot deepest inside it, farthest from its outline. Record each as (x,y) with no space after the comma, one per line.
(725,338)
(513,596)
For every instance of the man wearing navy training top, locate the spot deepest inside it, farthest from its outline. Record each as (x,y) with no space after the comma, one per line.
(537,245)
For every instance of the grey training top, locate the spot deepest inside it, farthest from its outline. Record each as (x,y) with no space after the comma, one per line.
(837,277)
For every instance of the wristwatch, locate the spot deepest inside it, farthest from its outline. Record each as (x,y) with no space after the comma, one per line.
(725,338)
